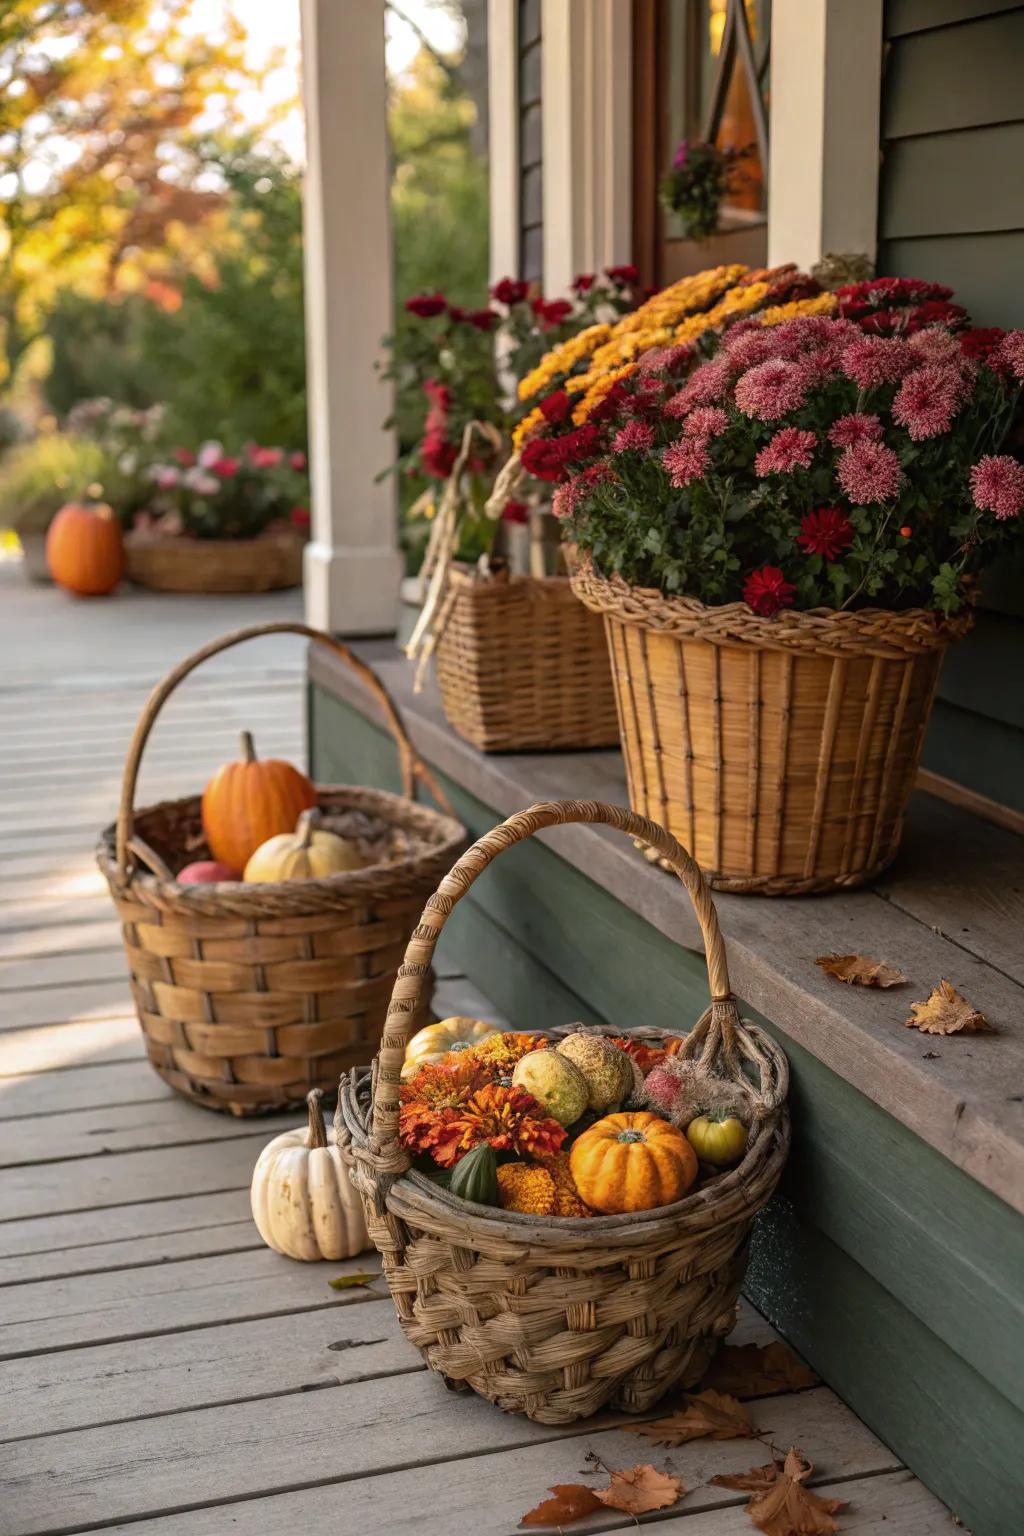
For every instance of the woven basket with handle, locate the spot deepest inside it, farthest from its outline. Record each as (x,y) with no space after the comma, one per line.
(522,666)
(214,565)
(251,995)
(553,1316)
(781,750)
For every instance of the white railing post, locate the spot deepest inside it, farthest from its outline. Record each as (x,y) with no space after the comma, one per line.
(825,102)
(353,567)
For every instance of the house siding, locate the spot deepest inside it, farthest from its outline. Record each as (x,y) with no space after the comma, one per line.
(951,208)
(531,171)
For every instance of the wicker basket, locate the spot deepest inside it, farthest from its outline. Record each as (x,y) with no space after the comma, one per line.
(251,995)
(552,1316)
(783,750)
(522,667)
(214,565)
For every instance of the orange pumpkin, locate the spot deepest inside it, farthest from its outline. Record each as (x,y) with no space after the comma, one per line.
(247,802)
(632,1162)
(85,550)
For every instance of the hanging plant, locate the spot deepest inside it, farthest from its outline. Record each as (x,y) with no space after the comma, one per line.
(700,175)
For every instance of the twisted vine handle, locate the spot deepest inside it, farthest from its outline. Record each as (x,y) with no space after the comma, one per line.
(412,766)
(715,1034)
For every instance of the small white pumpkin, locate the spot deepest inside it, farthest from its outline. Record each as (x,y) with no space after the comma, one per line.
(308,853)
(302,1201)
(433,1042)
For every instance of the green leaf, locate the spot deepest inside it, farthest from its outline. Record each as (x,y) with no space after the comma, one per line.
(348,1282)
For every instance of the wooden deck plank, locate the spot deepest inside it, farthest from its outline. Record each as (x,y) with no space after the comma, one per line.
(62,970)
(77,1088)
(67,1234)
(52,938)
(108,1037)
(130,1253)
(92,1133)
(154,1466)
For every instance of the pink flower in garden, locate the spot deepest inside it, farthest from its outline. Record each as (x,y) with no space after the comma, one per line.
(875,360)
(167,477)
(855,428)
(771,389)
(927,401)
(818,364)
(705,386)
(705,421)
(686,460)
(265,458)
(935,345)
(767,590)
(997,485)
(869,472)
(569,494)
(227,468)
(209,453)
(665,359)
(634,435)
(749,348)
(827,531)
(1010,353)
(185,456)
(297,460)
(788,450)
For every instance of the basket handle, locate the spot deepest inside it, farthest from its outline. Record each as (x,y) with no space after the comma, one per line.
(715,1033)
(412,766)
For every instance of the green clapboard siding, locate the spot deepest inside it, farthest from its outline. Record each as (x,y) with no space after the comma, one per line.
(951,209)
(900,1282)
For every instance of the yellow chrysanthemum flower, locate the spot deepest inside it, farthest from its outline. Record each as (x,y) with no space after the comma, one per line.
(525,429)
(562,359)
(821,304)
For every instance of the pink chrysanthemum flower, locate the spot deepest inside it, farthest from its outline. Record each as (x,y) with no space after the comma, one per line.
(705,421)
(1010,353)
(935,345)
(686,460)
(875,360)
(788,450)
(819,364)
(927,401)
(856,428)
(571,492)
(869,472)
(705,386)
(771,389)
(634,435)
(664,359)
(997,485)
(750,348)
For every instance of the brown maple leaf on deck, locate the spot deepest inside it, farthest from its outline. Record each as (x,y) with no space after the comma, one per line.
(780,1504)
(708,1415)
(758,1370)
(632,1490)
(947,1012)
(571,1502)
(861,970)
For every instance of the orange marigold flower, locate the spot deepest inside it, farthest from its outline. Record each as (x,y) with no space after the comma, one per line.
(509,1118)
(433,1098)
(498,1054)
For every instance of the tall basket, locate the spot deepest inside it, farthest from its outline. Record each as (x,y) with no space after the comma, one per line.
(555,1316)
(251,995)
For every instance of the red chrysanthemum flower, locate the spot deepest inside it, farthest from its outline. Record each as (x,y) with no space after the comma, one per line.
(550,458)
(827,532)
(767,590)
(624,276)
(556,408)
(927,401)
(516,512)
(483,319)
(551,312)
(583,282)
(705,421)
(686,460)
(980,342)
(510,290)
(634,436)
(997,485)
(788,450)
(855,428)
(869,472)
(771,389)
(426,305)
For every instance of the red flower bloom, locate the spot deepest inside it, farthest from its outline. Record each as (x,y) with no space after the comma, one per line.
(185,457)
(981,341)
(624,276)
(550,458)
(457,313)
(483,319)
(583,282)
(299,517)
(767,590)
(437,456)
(510,290)
(997,485)
(426,305)
(826,532)
(551,312)
(516,512)
(265,458)
(556,407)
(297,460)
(226,468)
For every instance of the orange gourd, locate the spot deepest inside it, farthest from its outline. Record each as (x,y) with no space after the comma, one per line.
(632,1162)
(247,802)
(85,550)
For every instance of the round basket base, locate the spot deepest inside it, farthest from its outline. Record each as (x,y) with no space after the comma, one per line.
(783,885)
(213,565)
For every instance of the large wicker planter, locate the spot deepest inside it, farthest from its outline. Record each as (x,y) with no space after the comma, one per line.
(781,751)
(554,1317)
(251,995)
(213,565)
(522,666)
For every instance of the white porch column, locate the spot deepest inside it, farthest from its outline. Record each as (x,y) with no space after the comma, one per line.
(825,103)
(353,567)
(587,115)
(503,137)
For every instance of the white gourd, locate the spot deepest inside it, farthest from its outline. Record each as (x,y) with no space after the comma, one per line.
(302,1201)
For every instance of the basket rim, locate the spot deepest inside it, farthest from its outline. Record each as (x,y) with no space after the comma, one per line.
(767,1148)
(884,632)
(439,839)
(136,541)
(465,578)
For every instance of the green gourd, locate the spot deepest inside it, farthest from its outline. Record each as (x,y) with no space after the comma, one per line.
(475,1176)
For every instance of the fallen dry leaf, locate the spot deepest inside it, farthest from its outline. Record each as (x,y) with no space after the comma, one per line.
(754,1481)
(758,1370)
(861,970)
(947,1012)
(707,1415)
(571,1502)
(787,1508)
(635,1490)
(346,1282)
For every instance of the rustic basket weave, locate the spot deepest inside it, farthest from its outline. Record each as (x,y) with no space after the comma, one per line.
(214,565)
(251,995)
(551,1316)
(523,667)
(782,751)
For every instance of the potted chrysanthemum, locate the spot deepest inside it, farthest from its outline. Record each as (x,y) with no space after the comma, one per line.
(784,541)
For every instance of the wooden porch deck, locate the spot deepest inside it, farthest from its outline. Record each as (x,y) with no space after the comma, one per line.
(163,1372)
